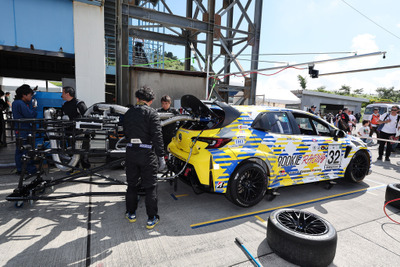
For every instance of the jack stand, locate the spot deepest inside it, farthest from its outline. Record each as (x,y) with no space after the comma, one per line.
(330,184)
(272,194)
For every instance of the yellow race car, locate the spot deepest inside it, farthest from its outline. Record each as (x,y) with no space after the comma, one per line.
(245,151)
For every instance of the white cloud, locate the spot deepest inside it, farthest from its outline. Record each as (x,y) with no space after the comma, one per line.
(389,79)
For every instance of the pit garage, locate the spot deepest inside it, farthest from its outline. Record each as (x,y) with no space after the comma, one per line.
(327,103)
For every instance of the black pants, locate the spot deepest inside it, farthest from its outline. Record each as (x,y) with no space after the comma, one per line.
(84,161)
(141,163)
(2,130)
(373,130)
(384,135)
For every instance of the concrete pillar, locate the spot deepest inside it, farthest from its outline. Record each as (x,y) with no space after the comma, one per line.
(89,52)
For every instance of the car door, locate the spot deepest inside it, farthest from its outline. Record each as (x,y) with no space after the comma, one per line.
(323,157)
(283,139)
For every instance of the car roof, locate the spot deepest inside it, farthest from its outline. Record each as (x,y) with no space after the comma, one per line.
(382,104)
(268,109)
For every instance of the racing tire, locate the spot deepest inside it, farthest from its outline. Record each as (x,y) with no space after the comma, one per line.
(301,237)
(357,168)
(247,185)
(393,192)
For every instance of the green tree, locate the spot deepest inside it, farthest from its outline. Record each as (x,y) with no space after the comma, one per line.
(171,62)
(388,93)
(359,91)
(344,90)
(303,81)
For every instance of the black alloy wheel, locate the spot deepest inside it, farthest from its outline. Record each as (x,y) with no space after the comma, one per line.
(302,222)
(358,167)
(248,185)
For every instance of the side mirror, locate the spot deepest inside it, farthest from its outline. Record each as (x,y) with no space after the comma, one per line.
(336,134)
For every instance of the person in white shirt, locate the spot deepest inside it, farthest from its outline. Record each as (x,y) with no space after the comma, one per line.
(352,120)
(364,132)
(391,124)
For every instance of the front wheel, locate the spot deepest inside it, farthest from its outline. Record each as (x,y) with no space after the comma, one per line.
(247,185)
(358,167)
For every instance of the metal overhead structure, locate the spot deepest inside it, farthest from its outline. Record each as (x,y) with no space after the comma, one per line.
(209,31)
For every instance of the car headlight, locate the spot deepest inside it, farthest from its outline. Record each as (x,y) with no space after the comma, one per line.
(358,143)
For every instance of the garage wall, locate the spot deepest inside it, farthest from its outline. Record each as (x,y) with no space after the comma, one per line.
(309,98)
(164,83)
(308,101)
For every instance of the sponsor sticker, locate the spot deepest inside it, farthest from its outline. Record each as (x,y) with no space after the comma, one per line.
(314,147)
(220,185)
(240,141)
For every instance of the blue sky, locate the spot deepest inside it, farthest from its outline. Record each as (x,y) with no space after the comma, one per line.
(322,26)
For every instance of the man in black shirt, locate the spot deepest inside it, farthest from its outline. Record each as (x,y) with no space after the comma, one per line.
(75,108)
(344,121)
(169,130)
(143,131)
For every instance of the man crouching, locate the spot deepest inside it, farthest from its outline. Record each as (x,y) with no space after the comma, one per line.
(143,131)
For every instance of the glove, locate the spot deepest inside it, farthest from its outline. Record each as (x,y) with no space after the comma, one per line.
(161,164)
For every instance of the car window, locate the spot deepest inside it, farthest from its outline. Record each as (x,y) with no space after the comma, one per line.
(309,125)
(274,122)
(305,125)
(321,128)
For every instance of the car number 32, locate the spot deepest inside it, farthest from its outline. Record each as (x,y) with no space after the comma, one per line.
(334,158)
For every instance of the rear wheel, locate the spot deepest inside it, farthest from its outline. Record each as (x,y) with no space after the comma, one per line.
(247,185)
(358,167)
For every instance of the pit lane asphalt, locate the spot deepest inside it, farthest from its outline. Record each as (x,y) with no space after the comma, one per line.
(195,230)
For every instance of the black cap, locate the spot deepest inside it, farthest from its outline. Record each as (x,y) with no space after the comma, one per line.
(376,108)
(313,106)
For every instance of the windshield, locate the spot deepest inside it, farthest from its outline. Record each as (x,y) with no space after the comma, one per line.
(370,110)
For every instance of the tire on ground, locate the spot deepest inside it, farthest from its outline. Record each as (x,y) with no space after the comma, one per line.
(358,167)
(301,237)
(248,185)
(393,192)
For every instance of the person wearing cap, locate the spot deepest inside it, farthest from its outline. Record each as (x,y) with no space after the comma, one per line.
(23,108)
(142,129)
(374,122)
(312,109)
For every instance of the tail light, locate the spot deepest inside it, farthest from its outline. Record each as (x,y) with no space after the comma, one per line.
(214,142)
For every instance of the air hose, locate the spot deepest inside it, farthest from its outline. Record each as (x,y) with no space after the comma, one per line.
(384,209)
